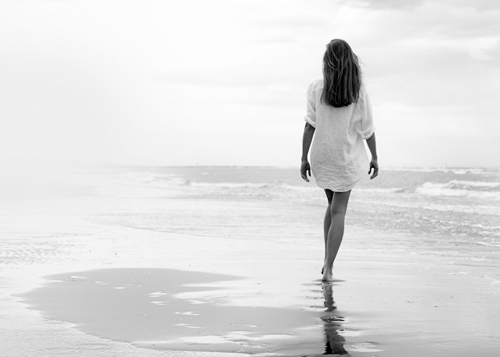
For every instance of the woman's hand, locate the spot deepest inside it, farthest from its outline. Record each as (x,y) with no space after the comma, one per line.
(304,169)
(374,167)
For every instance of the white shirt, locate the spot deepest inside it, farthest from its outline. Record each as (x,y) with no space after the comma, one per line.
(338,154)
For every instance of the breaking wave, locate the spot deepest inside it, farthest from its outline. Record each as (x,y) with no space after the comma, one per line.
(458,188)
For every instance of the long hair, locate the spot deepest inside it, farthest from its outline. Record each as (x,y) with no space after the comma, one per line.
(341,75)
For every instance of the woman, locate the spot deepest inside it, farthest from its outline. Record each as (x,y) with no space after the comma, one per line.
(340,114)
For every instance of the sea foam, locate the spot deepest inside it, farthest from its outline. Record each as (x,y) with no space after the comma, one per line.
(456,188)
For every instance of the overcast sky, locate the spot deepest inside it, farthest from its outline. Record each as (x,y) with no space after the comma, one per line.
(223,82)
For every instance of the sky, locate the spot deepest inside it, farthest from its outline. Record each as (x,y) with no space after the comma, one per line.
(223,82)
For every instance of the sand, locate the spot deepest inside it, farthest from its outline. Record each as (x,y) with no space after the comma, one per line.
(72,285)
(382,306)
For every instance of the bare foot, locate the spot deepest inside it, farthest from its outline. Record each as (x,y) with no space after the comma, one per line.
(323,268)
(327,275)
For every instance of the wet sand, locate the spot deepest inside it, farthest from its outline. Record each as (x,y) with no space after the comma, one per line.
(381,307)
(76,282)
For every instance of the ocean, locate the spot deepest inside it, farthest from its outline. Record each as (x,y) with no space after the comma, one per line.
(416,240)
(455,210)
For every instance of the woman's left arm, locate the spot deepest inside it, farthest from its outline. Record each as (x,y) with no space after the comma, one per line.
(306,144)
(372,145)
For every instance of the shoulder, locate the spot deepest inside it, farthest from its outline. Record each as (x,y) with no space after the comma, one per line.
(363,94)
(362,91)
(363,104)
(315,86)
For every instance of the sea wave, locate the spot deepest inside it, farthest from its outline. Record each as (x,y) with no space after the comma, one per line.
(457,188)
(163,180)
(281,186)
(230,185)
(488,244)
(381,190)
(482,185)
(457,171)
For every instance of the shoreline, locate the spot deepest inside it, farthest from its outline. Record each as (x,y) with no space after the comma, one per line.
(385,305)
(392,297)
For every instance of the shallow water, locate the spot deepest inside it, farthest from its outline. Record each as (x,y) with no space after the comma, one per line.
(457,211)
(135,304)
(213,220)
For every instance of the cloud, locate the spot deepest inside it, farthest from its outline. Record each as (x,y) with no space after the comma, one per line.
(428,58)
(482,5)
(296,22)
(202,82)
(432,70)
(385,4)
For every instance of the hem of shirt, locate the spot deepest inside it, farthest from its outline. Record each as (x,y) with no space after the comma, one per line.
(368,136)
(335,188)
(309,121)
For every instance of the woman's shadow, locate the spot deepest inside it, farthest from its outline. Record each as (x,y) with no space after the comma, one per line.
(332,323)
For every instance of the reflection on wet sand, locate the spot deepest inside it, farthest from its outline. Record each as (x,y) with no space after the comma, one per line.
(332,323)
(175,310)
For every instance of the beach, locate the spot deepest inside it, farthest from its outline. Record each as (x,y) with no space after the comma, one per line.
(225,261)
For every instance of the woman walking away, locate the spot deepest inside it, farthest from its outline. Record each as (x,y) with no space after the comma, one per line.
(340,114)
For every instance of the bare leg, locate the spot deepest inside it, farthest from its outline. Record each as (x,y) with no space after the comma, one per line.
(336,231)
(327,222)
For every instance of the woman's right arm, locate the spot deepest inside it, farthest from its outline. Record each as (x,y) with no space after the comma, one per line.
(309,129)
(372,145)
(306,144)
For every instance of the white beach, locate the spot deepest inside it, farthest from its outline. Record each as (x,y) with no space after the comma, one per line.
(151,202)
(75,283)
